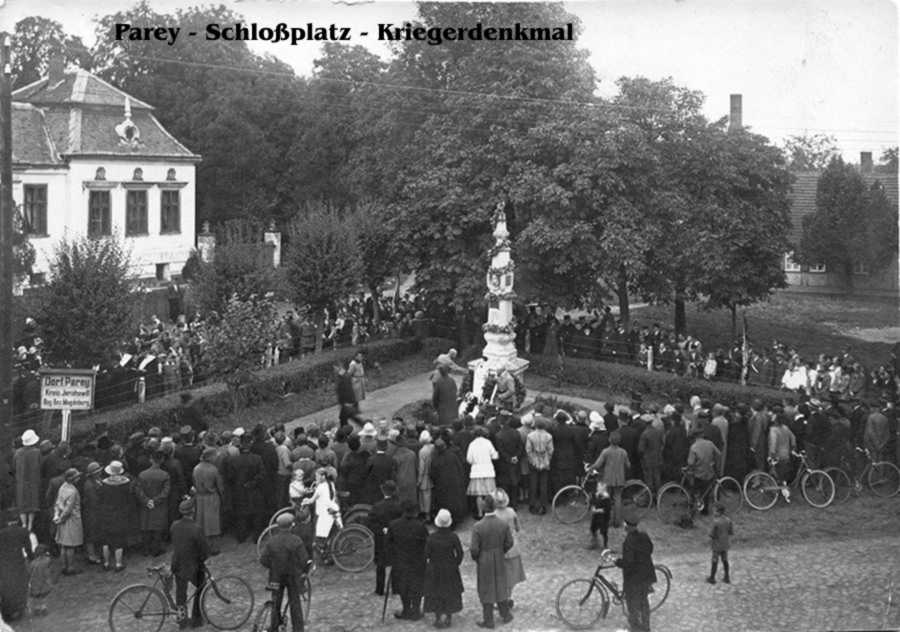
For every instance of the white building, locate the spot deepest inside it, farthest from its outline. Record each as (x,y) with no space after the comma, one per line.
(90,160)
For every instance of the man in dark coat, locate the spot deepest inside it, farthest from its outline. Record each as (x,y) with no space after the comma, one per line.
(491,539)
(449,478)
(638,575)
(243,478)
(610,419)
(383,513)
(629,435)
(152,491)
(406,545)
(346,396)
(444,396)
(286,557)
(266,451)
(381,468)
(188,453)
(354,469)
(189,552)
(675,447)
(14,540)
(511,448)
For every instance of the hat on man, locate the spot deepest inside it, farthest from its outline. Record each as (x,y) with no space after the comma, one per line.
(154,432)
(45,446)
(71,474)
(115,468)
(501,498)
(186,507)
(368,430)
(285,520)
(136,436)
(425,437)
(93,468)
(630,516)
(29,438)
(185,430)
(443,519)
(597,423)
(238,432)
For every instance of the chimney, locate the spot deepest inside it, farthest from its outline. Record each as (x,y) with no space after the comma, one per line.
(865,161)
(734,118)
(55,68)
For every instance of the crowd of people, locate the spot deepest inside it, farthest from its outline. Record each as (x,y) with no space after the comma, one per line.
(601,336)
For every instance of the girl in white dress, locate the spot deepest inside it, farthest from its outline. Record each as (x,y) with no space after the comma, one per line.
(328,514)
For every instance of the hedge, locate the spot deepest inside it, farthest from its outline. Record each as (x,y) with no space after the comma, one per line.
(215,400)
(627,379)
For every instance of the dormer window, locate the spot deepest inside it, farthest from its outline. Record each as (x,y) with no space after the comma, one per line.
(100,174)
(128,132)
(170,175)
(138,174)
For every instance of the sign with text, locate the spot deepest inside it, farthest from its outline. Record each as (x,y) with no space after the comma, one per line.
(67,389)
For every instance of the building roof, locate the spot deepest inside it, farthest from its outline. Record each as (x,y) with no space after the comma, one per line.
(78,115)
(803,195)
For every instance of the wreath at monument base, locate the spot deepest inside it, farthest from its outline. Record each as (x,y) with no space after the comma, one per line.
(489,383)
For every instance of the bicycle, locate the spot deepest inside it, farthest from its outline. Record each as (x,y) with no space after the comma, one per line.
(575,606)
(761,489)
(352,546)
(263,620)
(882,477)
(675,502)
(226,603)
(572,502)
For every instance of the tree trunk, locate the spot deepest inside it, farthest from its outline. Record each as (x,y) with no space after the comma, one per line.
(680,316)
(734,322)
(376,308)
(622,294)
(397,293)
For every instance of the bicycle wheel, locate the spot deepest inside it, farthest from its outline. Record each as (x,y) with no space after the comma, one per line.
(662,586)
(673,503)
(267,533)
(358,514)
(884,479)
(306,596)
(226,602)
(570,504)
(728,492)
(761,490)
(353,548)
(581,604)
(817,488)
(289,509)
(637,497)
(842,484)
(263,618)
(138,608)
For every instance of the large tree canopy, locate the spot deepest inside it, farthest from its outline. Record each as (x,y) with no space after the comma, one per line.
(36,41)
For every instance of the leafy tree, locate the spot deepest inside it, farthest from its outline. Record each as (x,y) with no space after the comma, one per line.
(378,247)
(35,41)
(87,308)
(23,251)
(322,259)
(239,339)
(810,152)
(852,223)
(237,270)
(888,161)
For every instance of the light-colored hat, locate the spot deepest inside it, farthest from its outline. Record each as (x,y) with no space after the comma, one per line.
(29,438)
(594,417)
(238,432)
(528,419)
(598,424)
(443,519)
(393,433)
(668,410)
(425,437)
(501,498)
(368,430)
(115,468)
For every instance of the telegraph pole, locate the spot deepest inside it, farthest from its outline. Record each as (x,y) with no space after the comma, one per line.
(6,241)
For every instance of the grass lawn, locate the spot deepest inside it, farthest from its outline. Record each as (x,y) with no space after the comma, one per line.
(811,324)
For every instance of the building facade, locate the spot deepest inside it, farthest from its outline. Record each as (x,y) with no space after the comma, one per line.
(89,160)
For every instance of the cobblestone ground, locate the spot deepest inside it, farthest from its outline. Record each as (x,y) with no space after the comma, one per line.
(793,568)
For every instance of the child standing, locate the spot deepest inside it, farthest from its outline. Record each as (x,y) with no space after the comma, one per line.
(601,508)
(39,585)
(720,539)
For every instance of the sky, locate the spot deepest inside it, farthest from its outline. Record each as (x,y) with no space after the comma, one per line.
(802,66)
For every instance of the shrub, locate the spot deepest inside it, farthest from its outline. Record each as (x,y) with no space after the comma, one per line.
(215,400)
(625,379)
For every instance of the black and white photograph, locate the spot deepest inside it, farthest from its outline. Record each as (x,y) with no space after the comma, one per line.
(364,315)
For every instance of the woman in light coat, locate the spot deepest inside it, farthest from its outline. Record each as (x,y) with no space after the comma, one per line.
(424,483)
(480,456)
(67,518)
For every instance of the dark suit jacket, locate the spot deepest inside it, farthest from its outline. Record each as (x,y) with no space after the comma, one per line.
(637,560)
(189,548)
(406,546)
(285,556)
(383,513)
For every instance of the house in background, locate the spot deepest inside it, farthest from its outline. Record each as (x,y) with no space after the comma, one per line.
(89,160)
(818,278)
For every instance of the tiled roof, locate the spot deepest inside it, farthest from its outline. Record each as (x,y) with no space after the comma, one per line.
(803,195)
(76,86)
(37,149)
(78,115)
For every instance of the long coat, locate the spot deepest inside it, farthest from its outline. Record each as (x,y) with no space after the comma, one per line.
(449,478)
(737,456)
(637,560)
(116,500)
(67,510)
(383,513)
(153,484)
(244,476)
(443,584)
(90,508)
(443,399)
(491,539)
(406,550)
(407,479)
(14,578)
(27,464)
(563,465)
(381,468)
(210,488)
(189,548)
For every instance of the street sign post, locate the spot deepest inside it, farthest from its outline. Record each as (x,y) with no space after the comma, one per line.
(67,390)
